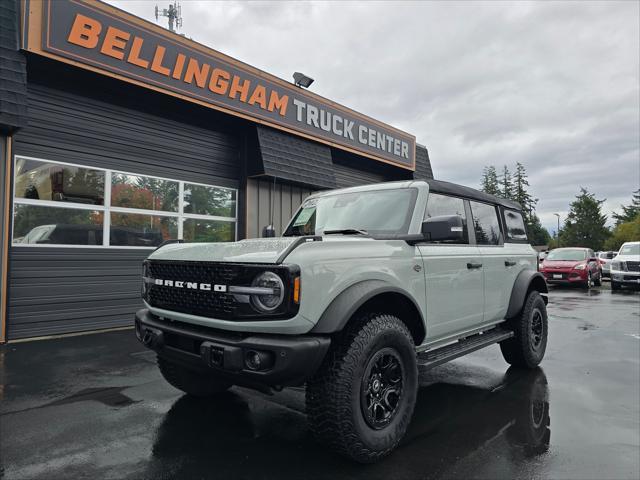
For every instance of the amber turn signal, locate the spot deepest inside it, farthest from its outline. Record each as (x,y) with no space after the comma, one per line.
(296,290)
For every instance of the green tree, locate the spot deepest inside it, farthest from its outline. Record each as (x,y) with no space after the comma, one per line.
(520,192)
(506,184)
(629,212)
(624,232)
(585,225)
(538,235)
(489,182)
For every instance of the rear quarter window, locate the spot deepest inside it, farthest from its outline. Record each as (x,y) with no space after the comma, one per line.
(514,222)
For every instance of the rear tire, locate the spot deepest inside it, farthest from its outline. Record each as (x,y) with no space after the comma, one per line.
(527,347)
(361,400)
(191,382)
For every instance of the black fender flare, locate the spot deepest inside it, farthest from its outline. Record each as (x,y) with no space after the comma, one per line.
(521,286)
(346,303)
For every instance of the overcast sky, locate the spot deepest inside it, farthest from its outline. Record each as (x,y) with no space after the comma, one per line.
(553,85)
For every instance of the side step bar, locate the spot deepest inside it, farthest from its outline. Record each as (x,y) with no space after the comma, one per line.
(433,358)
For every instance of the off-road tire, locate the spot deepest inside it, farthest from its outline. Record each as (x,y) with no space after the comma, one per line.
(191,382)
(526,348)
(335,394)
(615,285)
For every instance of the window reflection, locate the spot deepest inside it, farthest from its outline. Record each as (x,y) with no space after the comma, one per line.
(202,200)
(38,183)
(195,230)
(137,191)
(515,225)
(64,226)
(38,180)
(485,223)
(136,230)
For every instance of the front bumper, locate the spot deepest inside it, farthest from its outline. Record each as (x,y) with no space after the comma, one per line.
(289,359)
(626,278)
(565,276)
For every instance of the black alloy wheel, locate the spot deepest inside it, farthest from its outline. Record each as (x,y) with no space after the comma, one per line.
(381,389)
(537,329)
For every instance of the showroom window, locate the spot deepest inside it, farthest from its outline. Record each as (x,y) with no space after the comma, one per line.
(63,204)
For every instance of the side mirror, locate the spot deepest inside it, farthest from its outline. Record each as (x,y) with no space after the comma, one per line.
(443,228)
(268,232)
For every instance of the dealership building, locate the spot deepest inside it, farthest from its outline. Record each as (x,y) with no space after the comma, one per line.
(117,134)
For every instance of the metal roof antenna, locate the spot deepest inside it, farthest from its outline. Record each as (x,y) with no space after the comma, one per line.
(173,14)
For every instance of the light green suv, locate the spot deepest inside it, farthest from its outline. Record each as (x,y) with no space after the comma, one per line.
(366,285)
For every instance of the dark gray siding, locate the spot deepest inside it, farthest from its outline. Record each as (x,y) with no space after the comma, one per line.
(76,129)
(423,164)
(3,232)
(351,177)
(13,70)
(295,159)
(261,193)
(61,290)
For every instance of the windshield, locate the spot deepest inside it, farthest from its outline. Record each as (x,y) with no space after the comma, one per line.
(374,211)
(631,249)
(569,254)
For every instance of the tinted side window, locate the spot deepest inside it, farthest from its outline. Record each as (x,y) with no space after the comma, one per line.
(485,223)
(515,225)
(438,205)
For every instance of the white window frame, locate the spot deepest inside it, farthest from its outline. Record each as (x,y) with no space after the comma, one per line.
(107,208)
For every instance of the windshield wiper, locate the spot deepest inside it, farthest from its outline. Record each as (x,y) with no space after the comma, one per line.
(346,231)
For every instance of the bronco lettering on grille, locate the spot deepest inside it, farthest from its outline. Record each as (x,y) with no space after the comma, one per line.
(191,285)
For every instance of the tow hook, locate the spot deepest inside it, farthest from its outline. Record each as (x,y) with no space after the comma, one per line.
(152,337)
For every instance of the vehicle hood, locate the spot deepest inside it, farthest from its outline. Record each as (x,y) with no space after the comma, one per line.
(626,258)
(256,250)
(560,263)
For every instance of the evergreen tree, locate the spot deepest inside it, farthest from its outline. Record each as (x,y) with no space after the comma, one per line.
(538,235)
(585,225)
(490,180)
(520,193)
(629,212)
(506,184)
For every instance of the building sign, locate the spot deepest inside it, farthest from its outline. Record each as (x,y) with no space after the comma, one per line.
(92,34)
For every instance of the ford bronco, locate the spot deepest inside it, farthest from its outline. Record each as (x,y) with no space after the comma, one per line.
(366,285)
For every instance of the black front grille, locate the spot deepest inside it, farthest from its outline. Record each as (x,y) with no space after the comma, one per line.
(633,266)
(191,300)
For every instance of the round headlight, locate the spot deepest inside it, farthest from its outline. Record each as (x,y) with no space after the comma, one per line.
(268,302)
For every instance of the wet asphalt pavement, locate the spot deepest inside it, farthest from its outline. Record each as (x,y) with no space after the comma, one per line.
(95,406)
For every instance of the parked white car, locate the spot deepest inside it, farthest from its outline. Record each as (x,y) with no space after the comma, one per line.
(604,258)
(625,267)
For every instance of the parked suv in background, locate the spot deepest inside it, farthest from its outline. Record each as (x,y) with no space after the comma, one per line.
(625,267)
(572,266)
(605,262)
(367,284)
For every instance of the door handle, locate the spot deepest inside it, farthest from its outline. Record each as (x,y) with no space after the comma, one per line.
(471,266)
(509,263)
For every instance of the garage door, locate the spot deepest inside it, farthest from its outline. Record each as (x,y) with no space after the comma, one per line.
(97,186)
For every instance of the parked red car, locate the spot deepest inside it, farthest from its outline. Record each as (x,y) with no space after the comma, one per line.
(572,266)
